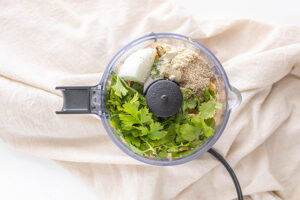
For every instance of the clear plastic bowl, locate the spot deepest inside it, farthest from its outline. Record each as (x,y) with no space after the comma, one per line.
(228,95)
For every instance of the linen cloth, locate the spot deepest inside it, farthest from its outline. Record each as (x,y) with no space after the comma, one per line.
(44,44)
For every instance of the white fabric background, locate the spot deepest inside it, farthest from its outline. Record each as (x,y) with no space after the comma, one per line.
(23,176)
(49,44)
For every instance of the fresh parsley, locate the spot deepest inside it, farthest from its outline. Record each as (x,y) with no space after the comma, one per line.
(151,136)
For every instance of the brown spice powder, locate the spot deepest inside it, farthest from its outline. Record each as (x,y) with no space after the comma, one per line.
(196,76)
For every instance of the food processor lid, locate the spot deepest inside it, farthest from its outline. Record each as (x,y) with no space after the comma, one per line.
(164,97)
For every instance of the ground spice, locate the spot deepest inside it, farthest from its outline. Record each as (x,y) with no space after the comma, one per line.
(185,67)
(196,76)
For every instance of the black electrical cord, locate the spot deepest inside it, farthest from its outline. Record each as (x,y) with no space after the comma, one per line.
(230,171)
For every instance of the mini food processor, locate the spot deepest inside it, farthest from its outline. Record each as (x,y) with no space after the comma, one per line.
(163,97)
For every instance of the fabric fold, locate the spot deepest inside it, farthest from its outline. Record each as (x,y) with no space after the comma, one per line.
(44,44)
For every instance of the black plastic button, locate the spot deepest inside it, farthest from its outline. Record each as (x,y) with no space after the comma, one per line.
(164,98)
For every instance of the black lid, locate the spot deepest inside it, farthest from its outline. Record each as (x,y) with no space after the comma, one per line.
(164,98)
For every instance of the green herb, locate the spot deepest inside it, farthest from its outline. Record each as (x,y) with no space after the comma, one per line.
(157,131)
(189,132)
(209,95)
(137,86)
(208,108)
(149,135)
(155,64)
(119,88)
(190,100)
(210,122)
(155,72)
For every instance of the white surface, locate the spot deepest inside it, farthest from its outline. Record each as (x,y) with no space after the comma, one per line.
(28,177)
(268,11)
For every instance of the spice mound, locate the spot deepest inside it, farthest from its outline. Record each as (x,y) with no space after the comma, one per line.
(185,67)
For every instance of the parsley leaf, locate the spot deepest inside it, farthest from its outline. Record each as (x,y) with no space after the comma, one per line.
(128,119)
(201,124)
(209,95)
(132,140)
(156,131)
(145,116)
(187,132)
(131,109)
(190,132)
(190,100)
(137,86)
(207,109)
(144,130)
(210,122)
(119,88)
(135,149)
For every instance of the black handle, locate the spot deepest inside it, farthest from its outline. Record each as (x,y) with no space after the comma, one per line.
(80,100)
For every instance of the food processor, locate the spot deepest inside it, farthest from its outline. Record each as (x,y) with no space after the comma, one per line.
(93,99)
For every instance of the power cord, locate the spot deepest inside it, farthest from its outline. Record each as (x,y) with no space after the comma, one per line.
(230,171)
